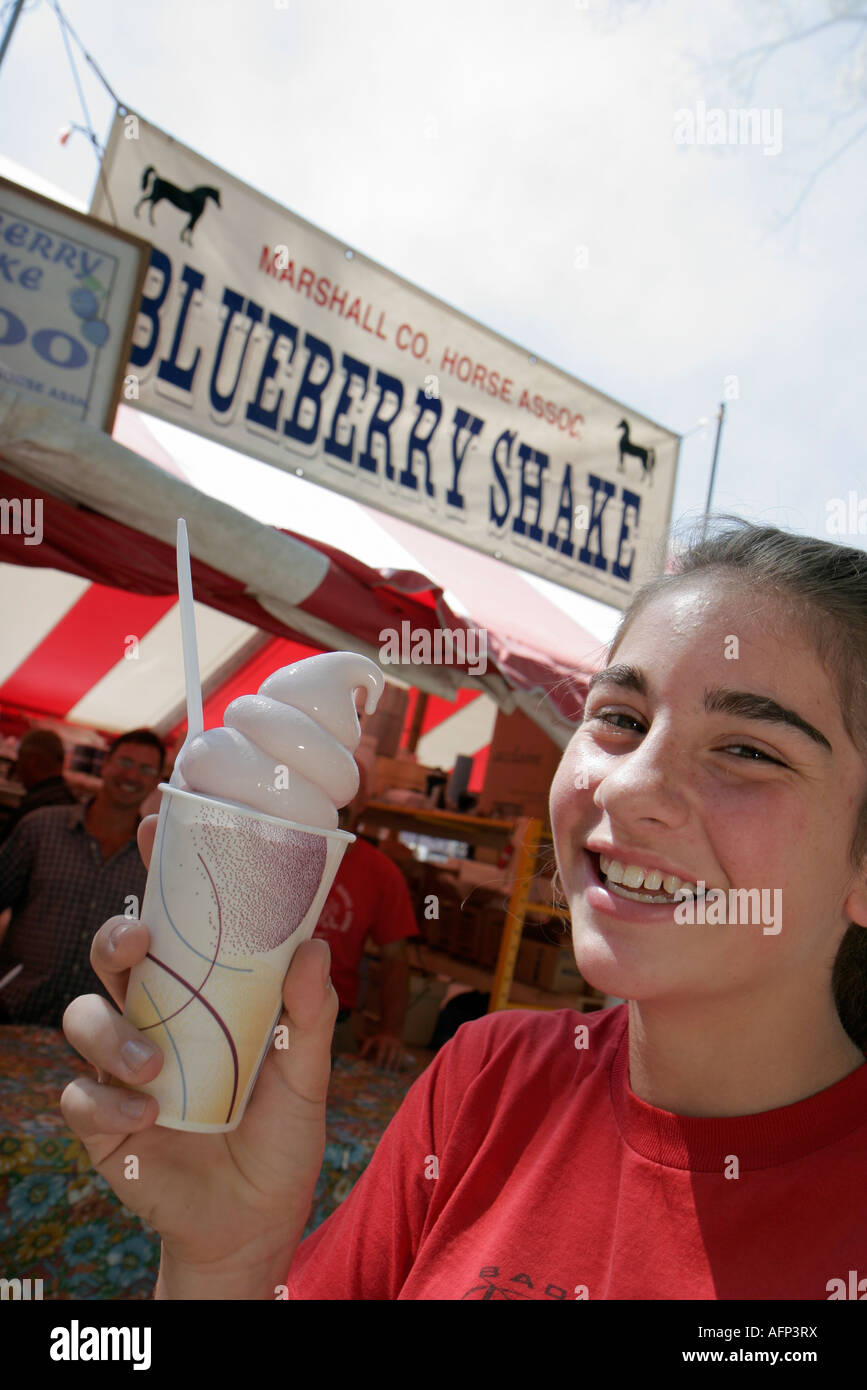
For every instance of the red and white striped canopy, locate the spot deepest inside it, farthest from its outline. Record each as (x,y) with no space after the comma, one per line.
(90,622)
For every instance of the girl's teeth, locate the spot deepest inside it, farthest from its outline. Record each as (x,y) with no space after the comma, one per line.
(633,876)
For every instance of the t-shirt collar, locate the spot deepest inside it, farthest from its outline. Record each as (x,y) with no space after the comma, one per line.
(705,1143)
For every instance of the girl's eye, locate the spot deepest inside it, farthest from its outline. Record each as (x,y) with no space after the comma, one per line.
(752,754)
(610,717)
(748,748)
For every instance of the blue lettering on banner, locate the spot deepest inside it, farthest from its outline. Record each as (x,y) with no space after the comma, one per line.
(463,421)
(234,304)
(494,515)
(631,502)
(531,491)
(310,391)
(149,308)
(168,370)
(355,371)
(607,489)
(280,328)
(420,444)
(523,509)
(565,511)
(388,385)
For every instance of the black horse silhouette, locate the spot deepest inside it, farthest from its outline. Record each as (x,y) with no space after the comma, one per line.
(192,201)
(647,456)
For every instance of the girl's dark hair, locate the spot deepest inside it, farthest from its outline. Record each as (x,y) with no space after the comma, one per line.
(824,588)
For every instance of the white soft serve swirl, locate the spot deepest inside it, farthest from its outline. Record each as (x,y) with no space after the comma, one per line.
(288,750)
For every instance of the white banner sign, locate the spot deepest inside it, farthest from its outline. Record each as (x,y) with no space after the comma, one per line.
(269,336)
(68,289)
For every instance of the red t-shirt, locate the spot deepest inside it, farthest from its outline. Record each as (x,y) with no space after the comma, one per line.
(553,1178)
(369,896)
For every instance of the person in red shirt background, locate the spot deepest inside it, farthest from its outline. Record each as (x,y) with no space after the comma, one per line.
(369,897)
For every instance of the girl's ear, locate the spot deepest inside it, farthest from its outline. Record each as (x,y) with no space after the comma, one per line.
(856,903)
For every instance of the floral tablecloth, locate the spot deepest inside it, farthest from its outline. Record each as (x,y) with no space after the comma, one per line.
(60,1221)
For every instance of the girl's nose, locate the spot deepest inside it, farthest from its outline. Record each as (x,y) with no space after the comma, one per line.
(647,783)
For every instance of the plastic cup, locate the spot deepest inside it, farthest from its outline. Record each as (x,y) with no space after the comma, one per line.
(230,895)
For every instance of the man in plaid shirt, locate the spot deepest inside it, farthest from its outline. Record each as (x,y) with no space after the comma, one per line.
(63,871)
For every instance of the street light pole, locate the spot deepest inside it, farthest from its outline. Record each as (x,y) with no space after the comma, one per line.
(719,428)
(19,6)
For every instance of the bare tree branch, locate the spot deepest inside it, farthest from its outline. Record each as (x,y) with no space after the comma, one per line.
(764,51)
(823,167)
(744,68)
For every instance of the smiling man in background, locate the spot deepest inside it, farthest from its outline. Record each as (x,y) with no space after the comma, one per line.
(63,871)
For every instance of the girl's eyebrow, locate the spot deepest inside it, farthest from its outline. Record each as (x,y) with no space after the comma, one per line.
(717,701)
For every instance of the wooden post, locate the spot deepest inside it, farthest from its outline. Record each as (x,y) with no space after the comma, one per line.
(418,715)
(527,834)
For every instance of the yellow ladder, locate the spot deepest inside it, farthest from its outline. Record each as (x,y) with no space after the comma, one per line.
(528,834)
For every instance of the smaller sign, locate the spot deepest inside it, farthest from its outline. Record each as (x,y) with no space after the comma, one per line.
(69,292)
(521,766)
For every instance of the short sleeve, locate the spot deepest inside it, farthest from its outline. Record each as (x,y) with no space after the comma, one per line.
(394,919)
(365,1249)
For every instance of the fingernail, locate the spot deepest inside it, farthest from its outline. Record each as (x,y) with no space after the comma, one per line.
(135,1054)
(326,969)
(119,934)
(133,1108)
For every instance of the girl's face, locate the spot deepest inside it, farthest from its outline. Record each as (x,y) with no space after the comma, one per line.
(672,768)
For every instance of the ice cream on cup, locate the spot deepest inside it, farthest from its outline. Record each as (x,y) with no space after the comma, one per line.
(288,750)
(245,853)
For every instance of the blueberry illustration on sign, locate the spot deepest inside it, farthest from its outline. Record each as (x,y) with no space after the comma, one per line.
(96,332)
(85,304)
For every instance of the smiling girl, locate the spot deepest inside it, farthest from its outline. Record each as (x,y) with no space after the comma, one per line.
(705,1140)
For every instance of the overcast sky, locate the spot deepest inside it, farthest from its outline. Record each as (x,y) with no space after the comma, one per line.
(473,145)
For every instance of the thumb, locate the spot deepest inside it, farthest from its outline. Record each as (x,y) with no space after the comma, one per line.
(310,1007)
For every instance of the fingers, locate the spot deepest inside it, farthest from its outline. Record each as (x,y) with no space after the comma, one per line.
(120,943)
(108,1042)
(145,835)
(102,1115)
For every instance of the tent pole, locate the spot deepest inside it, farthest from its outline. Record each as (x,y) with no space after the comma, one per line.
(719,429)
(417,720)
